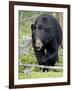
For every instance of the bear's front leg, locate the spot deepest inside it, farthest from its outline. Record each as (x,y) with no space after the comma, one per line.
(52,53)
(39,55)
(42,58)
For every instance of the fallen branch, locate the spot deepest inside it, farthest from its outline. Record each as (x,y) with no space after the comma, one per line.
(42,66)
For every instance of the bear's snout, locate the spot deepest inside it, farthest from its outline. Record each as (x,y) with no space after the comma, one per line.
(38,44)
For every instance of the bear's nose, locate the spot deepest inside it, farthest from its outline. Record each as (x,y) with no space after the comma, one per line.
(38,44)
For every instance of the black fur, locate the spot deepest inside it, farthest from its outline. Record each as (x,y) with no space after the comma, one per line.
(48,30)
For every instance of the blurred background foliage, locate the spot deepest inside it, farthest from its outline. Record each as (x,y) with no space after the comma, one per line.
(26,18)
(26,52)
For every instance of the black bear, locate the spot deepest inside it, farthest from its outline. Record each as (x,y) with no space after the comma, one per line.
(46,39)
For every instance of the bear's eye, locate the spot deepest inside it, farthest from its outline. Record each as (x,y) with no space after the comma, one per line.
(34,27)
(40,27)
(48,28)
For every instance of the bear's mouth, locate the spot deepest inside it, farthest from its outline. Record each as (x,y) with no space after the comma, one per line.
(38,48)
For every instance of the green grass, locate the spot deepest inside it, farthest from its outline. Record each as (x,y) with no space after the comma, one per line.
(33,75)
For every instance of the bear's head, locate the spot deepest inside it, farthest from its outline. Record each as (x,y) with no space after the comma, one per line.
(42,32)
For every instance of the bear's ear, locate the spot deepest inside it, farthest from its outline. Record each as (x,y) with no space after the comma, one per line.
(32,27)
